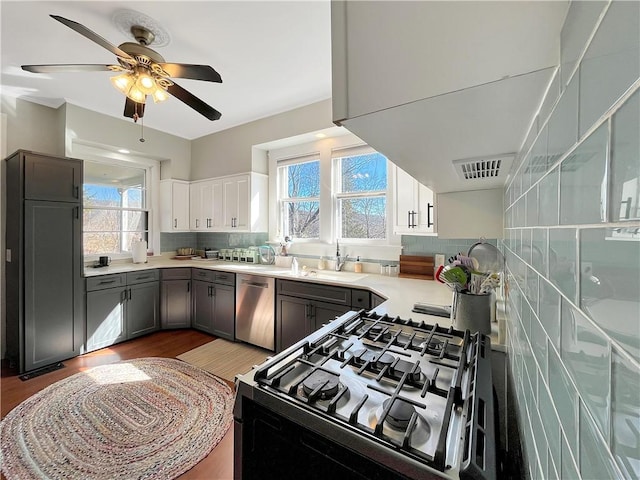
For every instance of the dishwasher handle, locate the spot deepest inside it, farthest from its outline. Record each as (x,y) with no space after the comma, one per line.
(255,284)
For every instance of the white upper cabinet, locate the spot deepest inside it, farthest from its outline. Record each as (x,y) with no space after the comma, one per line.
(414,212)
(225,204)
(174,206)
(235,192)
(206,205)
(245,203)
(386,54)
(431,83)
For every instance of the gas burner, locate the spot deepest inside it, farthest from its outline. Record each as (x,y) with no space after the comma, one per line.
(365,355)
(403,367)
(399,414)
(328,383)
(435,344)
(375,330)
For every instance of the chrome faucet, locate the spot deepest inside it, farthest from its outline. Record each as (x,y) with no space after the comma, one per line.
(339,263)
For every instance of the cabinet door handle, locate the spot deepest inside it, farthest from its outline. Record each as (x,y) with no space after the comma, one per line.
(188,286)
(129,294)
(104,282)
(76,192)
(175,223)
(77,212)
(197,223)
(123,296)
(429,208)
(213,290)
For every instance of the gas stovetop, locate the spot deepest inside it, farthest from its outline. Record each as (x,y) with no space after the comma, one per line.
(408,386)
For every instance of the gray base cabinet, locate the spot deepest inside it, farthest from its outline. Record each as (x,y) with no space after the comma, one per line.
(121,307)
(44,293)
(143,302)
(298,317)
(214,302)
(302,308)
(224,311)
(106,300)
(203,301)
(175,298)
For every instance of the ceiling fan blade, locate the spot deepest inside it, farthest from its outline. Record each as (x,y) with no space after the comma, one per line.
(194,102)
(66,68)
(91,35)
(195,72)
(131,108)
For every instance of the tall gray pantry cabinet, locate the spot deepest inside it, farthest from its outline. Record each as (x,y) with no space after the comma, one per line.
(44,262)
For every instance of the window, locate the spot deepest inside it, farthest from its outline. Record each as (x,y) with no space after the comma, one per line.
(115,207)
(299,186)
(361,195)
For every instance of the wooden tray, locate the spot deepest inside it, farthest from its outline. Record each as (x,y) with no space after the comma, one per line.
(416,266)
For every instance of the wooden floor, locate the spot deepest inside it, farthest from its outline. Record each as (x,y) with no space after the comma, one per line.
(219,463)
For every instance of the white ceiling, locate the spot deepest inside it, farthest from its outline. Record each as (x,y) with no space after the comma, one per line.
(272,56)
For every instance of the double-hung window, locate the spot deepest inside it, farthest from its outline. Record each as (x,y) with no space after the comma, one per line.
(299,197)
(360,191)
(115,207)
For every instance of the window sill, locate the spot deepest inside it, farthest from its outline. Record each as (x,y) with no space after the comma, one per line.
(364,251)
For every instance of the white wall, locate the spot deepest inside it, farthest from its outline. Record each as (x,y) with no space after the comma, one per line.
(230,151)
(33,127)
(92,128)
(472,214)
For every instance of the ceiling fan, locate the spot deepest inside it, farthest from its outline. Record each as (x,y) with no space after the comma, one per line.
(142,70)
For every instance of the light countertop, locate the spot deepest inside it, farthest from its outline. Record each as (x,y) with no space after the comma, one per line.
(401,293)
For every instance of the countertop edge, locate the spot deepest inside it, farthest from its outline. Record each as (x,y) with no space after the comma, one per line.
(400,293)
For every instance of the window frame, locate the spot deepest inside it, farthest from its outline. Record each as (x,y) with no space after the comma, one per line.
(282,197)
(148,201)
(337,195)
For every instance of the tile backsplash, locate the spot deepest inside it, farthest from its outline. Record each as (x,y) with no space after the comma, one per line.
(428,245)
(214,240)
(572,248)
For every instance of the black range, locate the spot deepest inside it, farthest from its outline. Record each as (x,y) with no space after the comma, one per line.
(370,396)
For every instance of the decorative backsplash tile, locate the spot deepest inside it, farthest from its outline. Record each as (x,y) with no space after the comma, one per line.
(625,420)
(596,462)
(583,181)
(573,266)
(585,353)
(625,151)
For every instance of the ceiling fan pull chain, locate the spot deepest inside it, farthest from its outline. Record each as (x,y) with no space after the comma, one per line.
(142,130)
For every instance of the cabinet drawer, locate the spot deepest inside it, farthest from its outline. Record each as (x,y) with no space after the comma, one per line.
(106,281)
(176,274)
(202,274)
(360,299)
(315,291)
(142,277)
(226,278)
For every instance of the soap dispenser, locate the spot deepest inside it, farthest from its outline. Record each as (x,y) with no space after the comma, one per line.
(357,267)
(294,266)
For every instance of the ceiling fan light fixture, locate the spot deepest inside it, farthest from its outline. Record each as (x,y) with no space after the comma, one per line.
(136,94)
(159,95)
(123,82)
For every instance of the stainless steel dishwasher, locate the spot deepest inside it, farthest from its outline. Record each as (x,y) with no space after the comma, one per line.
(255,310)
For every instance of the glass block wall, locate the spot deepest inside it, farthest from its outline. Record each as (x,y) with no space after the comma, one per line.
(572,243)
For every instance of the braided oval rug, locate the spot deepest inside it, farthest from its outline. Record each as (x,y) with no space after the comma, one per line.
(148,418)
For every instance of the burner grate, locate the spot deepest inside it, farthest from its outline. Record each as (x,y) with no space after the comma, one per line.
(401,360)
